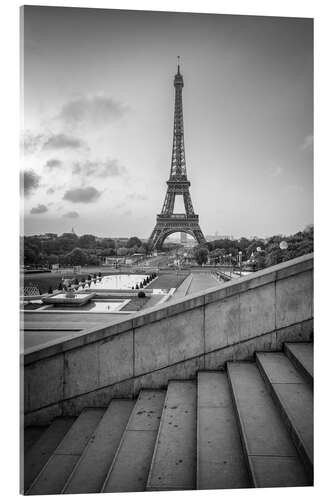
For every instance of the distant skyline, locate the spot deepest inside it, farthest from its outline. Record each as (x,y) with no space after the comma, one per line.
(98,120)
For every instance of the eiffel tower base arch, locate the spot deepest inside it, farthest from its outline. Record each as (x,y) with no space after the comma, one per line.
(166,226)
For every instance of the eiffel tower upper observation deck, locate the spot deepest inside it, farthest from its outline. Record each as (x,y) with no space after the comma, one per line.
(168,222)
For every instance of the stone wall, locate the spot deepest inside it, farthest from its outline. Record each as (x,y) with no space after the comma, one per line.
(172,341)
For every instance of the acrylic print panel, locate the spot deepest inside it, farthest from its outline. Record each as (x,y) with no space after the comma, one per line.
(167,251)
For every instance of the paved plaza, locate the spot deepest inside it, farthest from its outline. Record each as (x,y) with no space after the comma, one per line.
(42,327)
(202,281)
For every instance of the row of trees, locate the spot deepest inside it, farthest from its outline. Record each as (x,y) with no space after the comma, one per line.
(260,252)
(70,249)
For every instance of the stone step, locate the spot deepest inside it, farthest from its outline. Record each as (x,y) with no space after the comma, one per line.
(130,467)
(91,469)
(294,397)
(40,452)
(173,465)
(220,458)
(53,476)
(31,435)
(272,458)
(301,354)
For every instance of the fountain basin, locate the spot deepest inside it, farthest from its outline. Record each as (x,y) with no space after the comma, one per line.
(62,299)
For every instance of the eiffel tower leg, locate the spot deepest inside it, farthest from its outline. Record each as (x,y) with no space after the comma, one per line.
(159,241)
(156,239)
(152,239)
(198,235)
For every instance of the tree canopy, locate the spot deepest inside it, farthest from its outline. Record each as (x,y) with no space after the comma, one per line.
(134,242)
(201,255)
(87,241)
(77,257)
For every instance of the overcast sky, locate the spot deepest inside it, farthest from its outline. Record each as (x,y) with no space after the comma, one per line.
(98,120)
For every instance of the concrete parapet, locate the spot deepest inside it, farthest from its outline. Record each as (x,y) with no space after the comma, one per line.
(202,330)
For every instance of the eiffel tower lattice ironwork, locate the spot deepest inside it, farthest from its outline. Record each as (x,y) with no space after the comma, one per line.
(167,222)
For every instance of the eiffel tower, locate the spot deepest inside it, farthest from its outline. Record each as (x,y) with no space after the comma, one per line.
(167,222)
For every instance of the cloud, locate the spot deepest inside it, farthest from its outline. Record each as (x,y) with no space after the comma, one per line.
(31,142)
(53,163)
(294,189)
(137,196)
(63,141)
(40,209)
(96,110)
(52,190)
(105,168)
(82,195)
(30,181)
(307,144)
(71,215)
(276,171)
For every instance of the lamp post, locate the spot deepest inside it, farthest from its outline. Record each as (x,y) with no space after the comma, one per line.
(283,245)
(230,255)
(259,252)
(240,263)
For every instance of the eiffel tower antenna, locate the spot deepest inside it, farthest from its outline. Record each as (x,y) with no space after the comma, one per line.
(167,222)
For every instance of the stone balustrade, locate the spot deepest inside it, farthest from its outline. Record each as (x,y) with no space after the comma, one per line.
(170,341)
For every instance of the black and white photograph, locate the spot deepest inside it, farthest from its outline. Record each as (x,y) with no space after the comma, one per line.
(166,263)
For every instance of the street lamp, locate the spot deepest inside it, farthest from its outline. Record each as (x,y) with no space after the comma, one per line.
(240,263)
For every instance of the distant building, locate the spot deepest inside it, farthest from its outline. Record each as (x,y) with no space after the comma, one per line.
(217,236)
(191,242)
(46,236)
(183,238)
(120,242)
(113,261)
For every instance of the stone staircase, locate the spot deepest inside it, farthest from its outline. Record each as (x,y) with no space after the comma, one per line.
(248,426)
